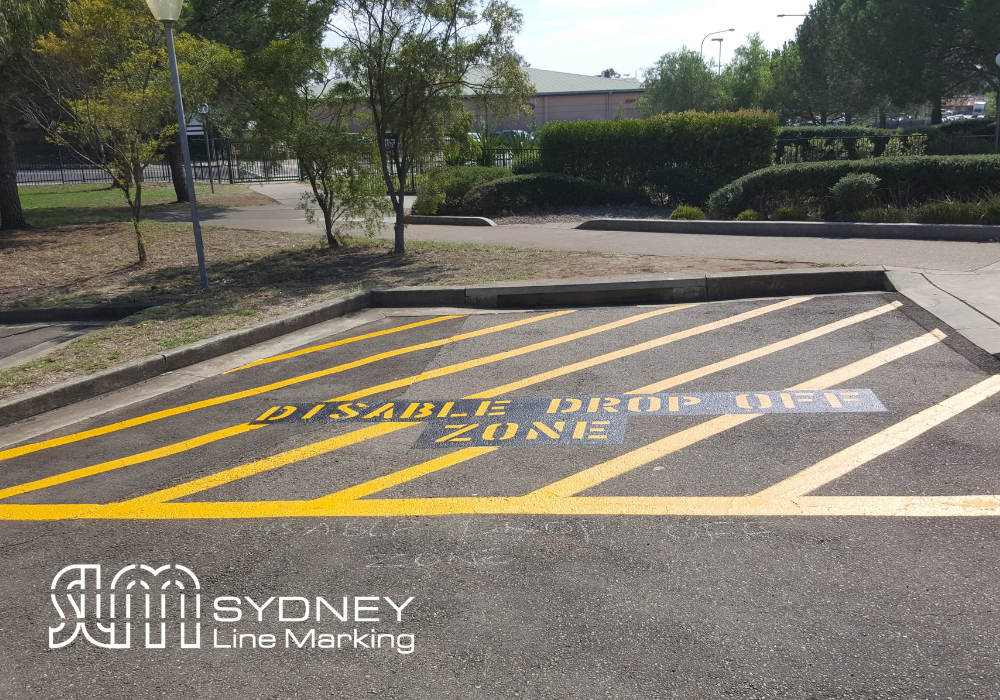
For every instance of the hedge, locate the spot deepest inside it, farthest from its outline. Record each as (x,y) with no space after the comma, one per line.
(540,190)
(903,182)
(722,146)
(442,190)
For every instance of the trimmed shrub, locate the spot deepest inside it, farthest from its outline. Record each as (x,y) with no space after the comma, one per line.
(687,213)
(885,216)
(443,189)
(789,214)
(853,191)
(521,192)
(679,186)
(904,181)
(720,146)
(748,215)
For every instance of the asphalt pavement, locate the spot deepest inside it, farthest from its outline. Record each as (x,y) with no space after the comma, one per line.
(755,499)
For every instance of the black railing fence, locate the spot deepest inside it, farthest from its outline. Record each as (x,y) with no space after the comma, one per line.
(229,161)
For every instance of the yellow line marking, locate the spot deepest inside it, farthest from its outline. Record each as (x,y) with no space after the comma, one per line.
(479,362)
(158,415)
(388,481)
(589,478)
(279,460)
(764,351)
(176,448)
(345,341)
(847,460)
(641,347)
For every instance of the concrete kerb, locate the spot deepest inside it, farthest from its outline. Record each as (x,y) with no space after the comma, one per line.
(633,289)
(802,229)
(421,220)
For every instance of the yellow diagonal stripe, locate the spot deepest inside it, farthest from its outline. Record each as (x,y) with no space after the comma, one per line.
(632,350)
(158,453)
(158,415)
(878,444)
(279,460)
(345,341)
(479,362)
(589,478)
(388,481)
(764,351)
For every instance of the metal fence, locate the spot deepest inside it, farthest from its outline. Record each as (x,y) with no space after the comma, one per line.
(225,160)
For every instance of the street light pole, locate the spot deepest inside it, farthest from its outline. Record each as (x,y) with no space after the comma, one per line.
(167,11)
(702,49)
(720,53)
(996,118)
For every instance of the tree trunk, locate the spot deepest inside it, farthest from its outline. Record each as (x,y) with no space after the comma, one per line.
(848,119)
(397,205)
(11,215)
(936,117)
(881,119)
(176,162)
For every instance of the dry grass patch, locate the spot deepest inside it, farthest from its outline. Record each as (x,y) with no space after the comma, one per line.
(253,275)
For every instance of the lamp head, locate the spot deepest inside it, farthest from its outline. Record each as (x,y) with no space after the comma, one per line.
(998,59)
(165,10)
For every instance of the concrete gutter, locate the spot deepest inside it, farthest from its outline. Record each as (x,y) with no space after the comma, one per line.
(421,220)
(632,289)
(102,312)
(799,229)
(639,289)
(974,326)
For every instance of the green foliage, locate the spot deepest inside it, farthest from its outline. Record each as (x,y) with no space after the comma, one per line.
(523,192)
(789,214)
(904,181)
(679,186)
(443,189)
(681,81)
(885,215)
(985,211)
(717,146)
(853,191)
(748,215)
(687,213)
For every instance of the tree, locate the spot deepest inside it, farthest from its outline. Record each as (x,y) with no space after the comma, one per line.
(110,97)
(748,80)
(407,62)
(680,81)
(21,22)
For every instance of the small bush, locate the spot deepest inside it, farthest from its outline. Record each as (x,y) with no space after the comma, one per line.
(679,186)
(748,215)
(687,213)
(443,189)
(885,215)
(855,190)
(521,192)
(947,213)
(905,181)
(789,214)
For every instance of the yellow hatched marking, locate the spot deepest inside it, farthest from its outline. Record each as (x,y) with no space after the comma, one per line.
(878,444)
(158,415)
(517,352)
(764,351)
(401,477)
(279,460)
(345,341)
(158,453)
(641,347)
(589,478)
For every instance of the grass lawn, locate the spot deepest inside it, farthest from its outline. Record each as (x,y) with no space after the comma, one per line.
(253,275)
(53,205)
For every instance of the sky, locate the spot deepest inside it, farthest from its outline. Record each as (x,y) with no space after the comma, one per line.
(587,36)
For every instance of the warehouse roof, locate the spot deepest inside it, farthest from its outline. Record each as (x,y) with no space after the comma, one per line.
(552,82)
